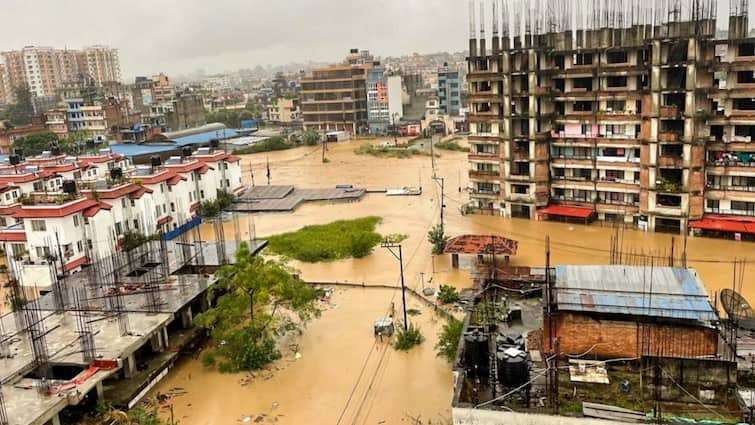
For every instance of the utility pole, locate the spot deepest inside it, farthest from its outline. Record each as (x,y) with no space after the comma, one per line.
(389,246)
(441,183)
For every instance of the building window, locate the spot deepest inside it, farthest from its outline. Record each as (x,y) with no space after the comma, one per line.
(38,225)
(172,207)
(79,246)
(118,228)
(201,194)
(136,224)
(43,251)
(76,221)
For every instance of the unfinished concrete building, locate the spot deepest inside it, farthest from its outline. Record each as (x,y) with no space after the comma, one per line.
(637,114)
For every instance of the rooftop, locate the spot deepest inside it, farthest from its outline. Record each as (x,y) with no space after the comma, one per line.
(666,292)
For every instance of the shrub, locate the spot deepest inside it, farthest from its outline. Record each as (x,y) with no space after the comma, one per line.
(438,238)
(406,339)
(276,143)
(448,294)
(208,359)
(448,340)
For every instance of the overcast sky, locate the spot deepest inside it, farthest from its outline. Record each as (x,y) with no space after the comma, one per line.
(181,36)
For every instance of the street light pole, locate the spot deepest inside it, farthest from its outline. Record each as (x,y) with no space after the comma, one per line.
(389,246)
(441,183)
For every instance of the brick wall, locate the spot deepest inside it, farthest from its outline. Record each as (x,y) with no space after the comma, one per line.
(623,339)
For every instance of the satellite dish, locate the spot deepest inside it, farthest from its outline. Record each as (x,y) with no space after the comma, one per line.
(738,309)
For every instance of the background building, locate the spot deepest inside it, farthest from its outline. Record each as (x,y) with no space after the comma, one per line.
(644,125)
(449,91)
(335,97)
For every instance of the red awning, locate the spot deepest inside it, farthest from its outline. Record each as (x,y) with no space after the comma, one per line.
(166,219)
(565,211)
(723,225)
(481,244)
(75,263)
(12,236)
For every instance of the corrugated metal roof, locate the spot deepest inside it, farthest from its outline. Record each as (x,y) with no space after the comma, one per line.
(634,290)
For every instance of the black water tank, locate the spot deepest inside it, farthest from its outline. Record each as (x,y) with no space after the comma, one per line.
(214,143)
(19,152)
(69,186)
(90,144)
(14,159)
(116,173)
(156,161)
(476,352)
(186,151)
(55,150)
(513,370)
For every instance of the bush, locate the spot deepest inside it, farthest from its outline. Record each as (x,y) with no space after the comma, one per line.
(387,152)
(406,339)
(448,294)
(448,340)
(451,145)
(208,359)
(211,208)
(276,143)
(438,238)
(334,241)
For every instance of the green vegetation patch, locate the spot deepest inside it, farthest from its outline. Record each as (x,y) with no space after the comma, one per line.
(452,145)
(387,152)
(327,242)
(276,143)
(406,339)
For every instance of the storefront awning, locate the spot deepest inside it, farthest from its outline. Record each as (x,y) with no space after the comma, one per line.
(718,224)
(566,211)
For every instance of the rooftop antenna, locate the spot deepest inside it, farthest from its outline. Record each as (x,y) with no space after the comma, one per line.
(495,18)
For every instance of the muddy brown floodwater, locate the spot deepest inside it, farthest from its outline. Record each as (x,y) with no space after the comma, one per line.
(315,388)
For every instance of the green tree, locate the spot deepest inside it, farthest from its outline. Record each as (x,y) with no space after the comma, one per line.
(448,340)
(310,137)
(22,111)
(36,143)
(74,142)
(249,316)
(438,238)
(448,294)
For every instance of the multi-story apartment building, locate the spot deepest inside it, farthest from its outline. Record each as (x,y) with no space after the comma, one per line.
(4,89)
(283,110)
(335,97)
(55,121)
(45,69)
(449,91)
(384,103)
(86,118)
(642,124)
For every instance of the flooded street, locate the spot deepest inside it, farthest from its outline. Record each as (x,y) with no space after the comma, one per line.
(315,388)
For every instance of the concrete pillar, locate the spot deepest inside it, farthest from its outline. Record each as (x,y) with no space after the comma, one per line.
(186,317)
(165,338)
(100,391)
(129,366)
(157,342)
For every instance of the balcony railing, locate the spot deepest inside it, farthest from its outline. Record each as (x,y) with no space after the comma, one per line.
(730,187)
(750,213)
(485,192)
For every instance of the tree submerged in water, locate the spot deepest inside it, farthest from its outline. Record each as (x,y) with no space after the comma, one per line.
(437,237)
(261,301)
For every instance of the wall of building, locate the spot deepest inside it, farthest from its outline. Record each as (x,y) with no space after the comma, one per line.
(469,416)
(605,338)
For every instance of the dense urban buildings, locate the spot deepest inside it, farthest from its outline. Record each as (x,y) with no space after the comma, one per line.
(642,124)
(45,69)
(335,97)
(449,91)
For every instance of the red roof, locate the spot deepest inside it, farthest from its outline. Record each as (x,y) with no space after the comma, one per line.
(12,236)
(46,160)
(185,167)
(166,219)
(194,206)
(139,193)
(60,168)
(10,210)
(53,211)
(155,178)
(93,210)
(113,192)
(565,211)
(175,179)
(75,263)
(733,224)
(18,178)
(233,158)
(204,169)
(481,244)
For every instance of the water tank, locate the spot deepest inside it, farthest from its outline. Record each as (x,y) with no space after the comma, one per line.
(214,143)
(116,173)
(156,161)
(476,351)
(513,368)
(19,152)
(14,159)
(55,150)
(90,144)
(186,151)
(503,341)
(69,186)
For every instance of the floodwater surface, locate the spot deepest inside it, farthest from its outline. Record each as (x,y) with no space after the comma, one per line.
(315,388)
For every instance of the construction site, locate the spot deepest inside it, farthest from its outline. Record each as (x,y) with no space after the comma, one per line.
(108,333)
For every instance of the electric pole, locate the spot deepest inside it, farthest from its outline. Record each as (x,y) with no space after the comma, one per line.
(389,246)
(441,183)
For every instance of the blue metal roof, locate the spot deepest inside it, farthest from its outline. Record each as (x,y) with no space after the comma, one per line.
(134,149)
(633,290)
(204,138)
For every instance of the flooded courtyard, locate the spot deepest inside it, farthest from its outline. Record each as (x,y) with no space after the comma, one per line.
(334,348)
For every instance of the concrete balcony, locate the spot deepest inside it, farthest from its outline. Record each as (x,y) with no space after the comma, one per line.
(488,194)
(745,213)
(487,176)
(520,197)
(670,111)
(484,156)
(670,161)
(519,177)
